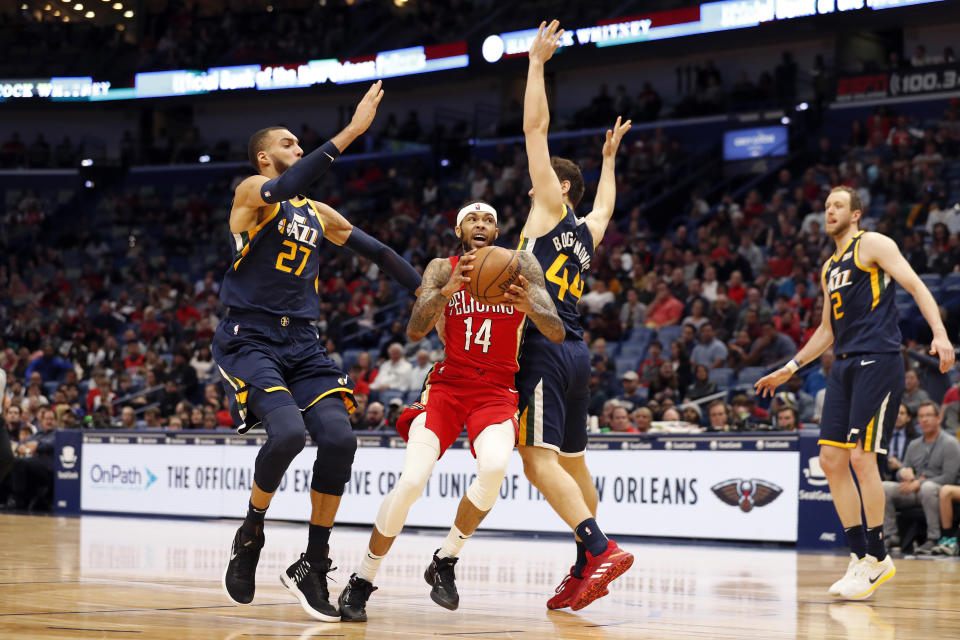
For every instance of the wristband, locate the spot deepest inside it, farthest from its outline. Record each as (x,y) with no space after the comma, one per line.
(792,366)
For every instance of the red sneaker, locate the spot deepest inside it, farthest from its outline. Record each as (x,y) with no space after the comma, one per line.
(566,590)
(599,572)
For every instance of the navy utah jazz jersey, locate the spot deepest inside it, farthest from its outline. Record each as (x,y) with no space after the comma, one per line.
(863,312)
(276,266)
(564,254)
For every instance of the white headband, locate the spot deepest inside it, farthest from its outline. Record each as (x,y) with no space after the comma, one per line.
(473,208)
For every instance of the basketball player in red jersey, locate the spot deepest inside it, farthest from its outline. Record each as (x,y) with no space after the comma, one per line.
(472,386)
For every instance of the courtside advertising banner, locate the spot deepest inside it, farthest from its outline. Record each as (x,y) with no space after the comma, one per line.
(729,493)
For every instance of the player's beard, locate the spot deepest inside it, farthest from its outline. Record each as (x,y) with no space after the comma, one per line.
(840,230)
(466,241)
(279,164)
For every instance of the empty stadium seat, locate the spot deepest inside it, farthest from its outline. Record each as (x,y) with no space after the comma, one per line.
(626,364)
(632,350)
(951,282)
(350,357)
(386,395)
(722,377)
(666,335)
(749,375)
(933,282)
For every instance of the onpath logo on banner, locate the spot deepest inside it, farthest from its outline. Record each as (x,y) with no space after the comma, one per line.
(746,494)
(121,477)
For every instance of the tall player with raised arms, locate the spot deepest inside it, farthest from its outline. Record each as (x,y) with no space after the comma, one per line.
(472,387)
(866,381)
(553,378)
(274,364)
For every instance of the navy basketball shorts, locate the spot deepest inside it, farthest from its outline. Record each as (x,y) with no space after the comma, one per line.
(862,400)
(553,385)
(266,365)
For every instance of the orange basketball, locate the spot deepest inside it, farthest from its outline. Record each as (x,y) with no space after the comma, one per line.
(494,270)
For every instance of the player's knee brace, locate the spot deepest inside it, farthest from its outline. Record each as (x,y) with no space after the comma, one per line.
(285,439)
(329,426)
(493,447)
(423,449)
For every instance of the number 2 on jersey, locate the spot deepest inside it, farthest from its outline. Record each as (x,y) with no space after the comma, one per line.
(483,335)
(553,275)
(292,255)
(837,303)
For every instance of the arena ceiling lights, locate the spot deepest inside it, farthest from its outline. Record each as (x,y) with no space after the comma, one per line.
(709,17)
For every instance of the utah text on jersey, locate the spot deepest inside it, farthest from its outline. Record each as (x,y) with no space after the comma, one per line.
(298,229)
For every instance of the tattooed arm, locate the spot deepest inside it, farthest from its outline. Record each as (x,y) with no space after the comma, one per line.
(531,298)
(440,282)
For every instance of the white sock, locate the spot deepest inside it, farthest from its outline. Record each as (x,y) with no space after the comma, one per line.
(370,565)
(453,543)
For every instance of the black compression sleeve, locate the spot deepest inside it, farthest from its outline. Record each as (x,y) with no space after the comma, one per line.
(386,258)
(295,180)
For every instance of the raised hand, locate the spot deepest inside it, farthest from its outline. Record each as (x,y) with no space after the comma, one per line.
(612,143)
(367,109)
(767,385)
(546,41)
(460,274)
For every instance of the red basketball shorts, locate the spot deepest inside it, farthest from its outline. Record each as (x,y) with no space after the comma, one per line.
(453,406)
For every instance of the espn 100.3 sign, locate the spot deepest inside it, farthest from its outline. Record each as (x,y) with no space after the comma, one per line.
(726,494)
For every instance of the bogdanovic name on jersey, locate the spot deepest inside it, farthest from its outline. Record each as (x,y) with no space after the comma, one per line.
(566,240)
(465,305)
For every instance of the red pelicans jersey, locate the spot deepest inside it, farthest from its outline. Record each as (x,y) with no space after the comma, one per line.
(481,338)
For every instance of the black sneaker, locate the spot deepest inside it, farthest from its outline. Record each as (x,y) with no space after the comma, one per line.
(239,578)
(926,548)
(354,598)
(308,582)
(439,575)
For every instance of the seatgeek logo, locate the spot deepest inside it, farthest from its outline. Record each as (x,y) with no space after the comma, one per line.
(114,476)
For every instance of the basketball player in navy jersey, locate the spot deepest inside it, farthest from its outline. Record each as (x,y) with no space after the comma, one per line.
(866,381)
(553,378)
(276,369)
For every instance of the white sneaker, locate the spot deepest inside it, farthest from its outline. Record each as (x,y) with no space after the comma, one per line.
(867,576)
(837,586)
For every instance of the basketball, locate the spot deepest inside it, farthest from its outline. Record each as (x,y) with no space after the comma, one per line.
(494,270)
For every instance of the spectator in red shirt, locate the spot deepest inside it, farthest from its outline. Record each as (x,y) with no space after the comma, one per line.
(150,328)
(665,310)
(735,289)
(187,312)
(620,421)
(366,373)
(649,367)
(781,266)
(133,359)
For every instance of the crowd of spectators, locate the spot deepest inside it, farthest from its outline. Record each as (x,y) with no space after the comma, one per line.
(108,299)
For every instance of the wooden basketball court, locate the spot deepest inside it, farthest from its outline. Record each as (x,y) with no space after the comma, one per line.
(97,577)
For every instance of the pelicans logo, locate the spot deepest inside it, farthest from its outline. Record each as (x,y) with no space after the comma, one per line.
(746,494)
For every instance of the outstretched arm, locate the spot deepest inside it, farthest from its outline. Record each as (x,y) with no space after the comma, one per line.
(310,167)
(530,296)
(340,232)
(876,248)
(819,342)
(440,282)
(547,208)
(599,218)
